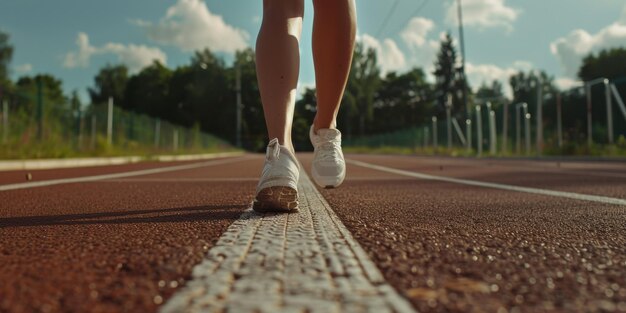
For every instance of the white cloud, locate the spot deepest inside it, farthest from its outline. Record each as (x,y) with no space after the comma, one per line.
(190,26)
(478,74)
(416,32)
(571,49)
(24,68)
(135,57)
(390,57)
(81,57)
(483,14)
(565,83)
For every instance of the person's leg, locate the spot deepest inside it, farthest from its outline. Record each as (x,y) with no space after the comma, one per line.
(334,30)
(278,65)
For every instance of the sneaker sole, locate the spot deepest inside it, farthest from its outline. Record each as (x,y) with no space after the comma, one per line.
(276,199)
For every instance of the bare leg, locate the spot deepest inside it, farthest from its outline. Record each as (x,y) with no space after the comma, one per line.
(278,65)
(334,30)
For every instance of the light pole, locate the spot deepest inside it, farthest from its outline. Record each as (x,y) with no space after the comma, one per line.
(462,43)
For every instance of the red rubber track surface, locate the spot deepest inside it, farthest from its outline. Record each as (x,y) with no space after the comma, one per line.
(128,244)
(457,248)
(117,245)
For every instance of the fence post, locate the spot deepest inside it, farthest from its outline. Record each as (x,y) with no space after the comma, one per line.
(479,131)
(110,122)
(435,143)
(539,115)
(589,128)
(505,127)
(609,110)
(175,139)
(449,120)
(527,133)
(157,132)
(239,105)
(559,121)
(5,121)
(492,132)
(426,135)
(518,130)
(39,109)
(93,130)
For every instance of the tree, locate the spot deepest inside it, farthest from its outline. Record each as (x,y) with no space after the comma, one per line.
(6,54)
(609,64)
(492,93)
(449,77)
(524,86)
(402,101)
(304,114)
(110,82)
(363,83)
(148,91)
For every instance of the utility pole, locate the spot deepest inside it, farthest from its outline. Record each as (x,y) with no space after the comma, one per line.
(239,105)
(462,43)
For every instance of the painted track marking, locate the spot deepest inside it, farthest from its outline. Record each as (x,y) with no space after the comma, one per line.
(119,175)
(562,194)
(299,262)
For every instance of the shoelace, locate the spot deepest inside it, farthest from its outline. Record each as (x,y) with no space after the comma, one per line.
(273,150)
(328,151)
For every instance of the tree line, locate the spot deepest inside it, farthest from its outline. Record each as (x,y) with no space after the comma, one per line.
(202,93)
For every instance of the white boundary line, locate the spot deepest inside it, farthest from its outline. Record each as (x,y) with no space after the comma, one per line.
(11,165)
(562,194)
(306,261)
(118,175)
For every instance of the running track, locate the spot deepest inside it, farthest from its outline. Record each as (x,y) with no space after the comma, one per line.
(446,234)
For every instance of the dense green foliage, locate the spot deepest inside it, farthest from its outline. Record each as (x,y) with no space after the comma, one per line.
(201,95)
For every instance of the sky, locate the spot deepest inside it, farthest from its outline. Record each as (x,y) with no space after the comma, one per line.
(73,39)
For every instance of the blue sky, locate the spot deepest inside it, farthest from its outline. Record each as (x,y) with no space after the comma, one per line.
(72,39)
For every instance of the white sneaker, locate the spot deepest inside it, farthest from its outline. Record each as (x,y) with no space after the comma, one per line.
(278,187)
(329,166)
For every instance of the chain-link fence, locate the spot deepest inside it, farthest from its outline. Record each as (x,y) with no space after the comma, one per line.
(587,120)
(102,129)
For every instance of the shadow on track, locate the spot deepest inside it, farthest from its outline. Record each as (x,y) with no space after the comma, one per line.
(170,215)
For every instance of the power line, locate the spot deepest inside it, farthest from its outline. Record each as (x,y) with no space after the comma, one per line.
(416,12)
(386,20)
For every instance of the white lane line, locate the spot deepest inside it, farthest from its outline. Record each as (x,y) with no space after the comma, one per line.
(182,180)
(562,194)
(299,262)
(119,175)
